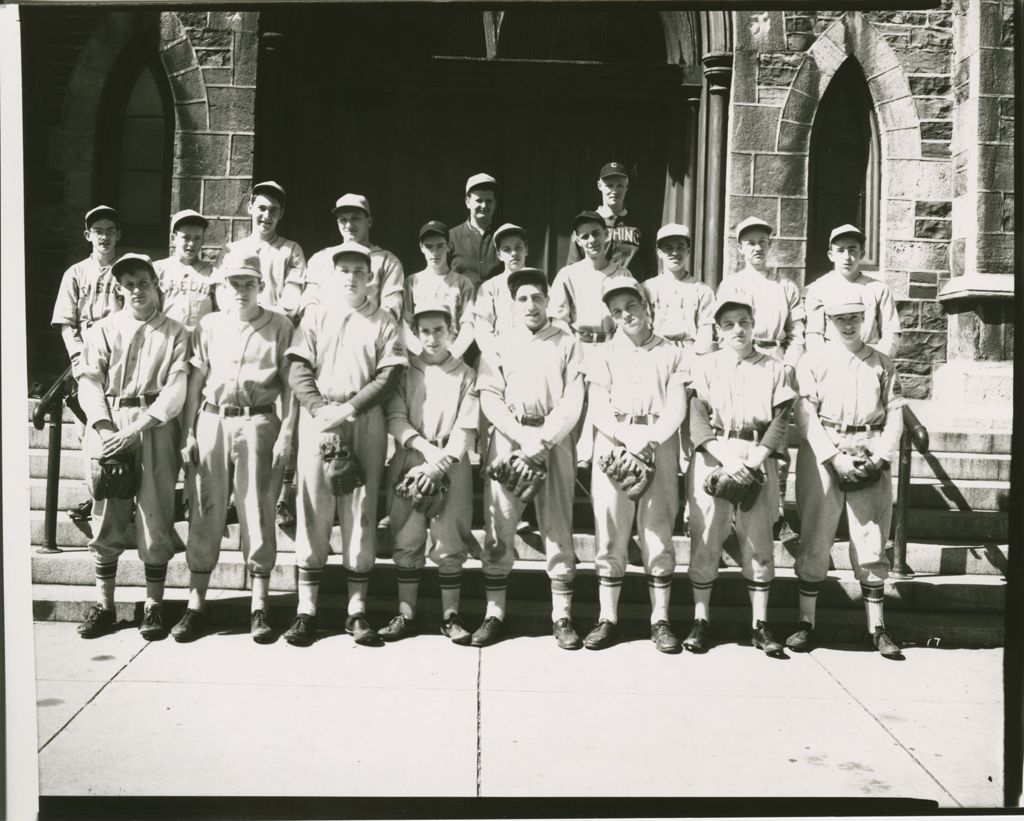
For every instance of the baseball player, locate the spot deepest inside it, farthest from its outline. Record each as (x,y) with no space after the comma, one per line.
(613,184)
(473,252)
(438,283)
(346,358)
(88,292)
(681,304)
(738,423)
(494,307)
(433,416)
(531,391)
(233,438)
(881,326)
(851,419)
(184,277)
(637,394)
(134,370)
(352,213)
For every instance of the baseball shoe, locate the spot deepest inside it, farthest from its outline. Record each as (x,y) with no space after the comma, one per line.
(762,638)
(696,639)
(284,515)
(359,628)
(583,464)
(802,639)
(302,633)
(97,622)
(565,636)
(259,629)
(398,628)
(783,532)
(189,626)
(453,628)
(664,639)
(885,645)
(487,633)
(152,626)
(603,635)
(82,512)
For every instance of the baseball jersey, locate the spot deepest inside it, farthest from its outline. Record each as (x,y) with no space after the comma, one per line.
(777,307)
(433,400)
(88,292)
(453,290)
(384,288)
(129,357)
(494,310)
(880,317)
(625,245)
(639,378)
(473,252)
(244,359)
(281,261)
(740,393)
(575,296)
(186,290)
(680,307)
(346,347)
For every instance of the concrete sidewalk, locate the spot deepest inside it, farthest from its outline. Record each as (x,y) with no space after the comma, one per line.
(223,716)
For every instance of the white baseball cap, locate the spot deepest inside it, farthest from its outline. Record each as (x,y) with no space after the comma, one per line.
(351,201)
(843,230)
(188,215)
(101,212)
(127,262)
(845,301)
(432,306)
(351,247)
(617,284)
(481,181)
(674,229)
(506,229)
(239,264)
(753,222)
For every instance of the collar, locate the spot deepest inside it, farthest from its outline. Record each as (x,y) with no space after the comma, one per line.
(608,214)
(488,230)
(837,275)
(545,331)
(621,340)
(449,364)
(686,280)
(99,263)
(752,358)
(864,354)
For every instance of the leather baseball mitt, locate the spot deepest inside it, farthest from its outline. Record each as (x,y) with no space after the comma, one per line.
(866,474)
(723,486)
(341,468)
(113,478)
(517,473)
(425,493)
(630,473)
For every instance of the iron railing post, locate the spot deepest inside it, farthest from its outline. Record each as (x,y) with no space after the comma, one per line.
(900,569)
(52,478)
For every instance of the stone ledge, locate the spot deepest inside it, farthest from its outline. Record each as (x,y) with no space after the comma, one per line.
(974,286)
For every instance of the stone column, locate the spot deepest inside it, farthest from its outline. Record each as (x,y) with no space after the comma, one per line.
(717,73)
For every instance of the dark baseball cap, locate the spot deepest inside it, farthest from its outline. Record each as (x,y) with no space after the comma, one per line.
(130,262)
(272,190)
(588,216)
(527,276)
(614,169)
(433,227)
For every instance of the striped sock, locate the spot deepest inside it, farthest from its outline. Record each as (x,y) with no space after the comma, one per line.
(260,586)
(408,589)
(451,591)
(702,599)
(874,597)
(608,590)
(199,583)
(106,578)
(561,599)
(495,588)
(357,584)
(156,575)
(808,600)
(758,592)
(309,588)
(659,588)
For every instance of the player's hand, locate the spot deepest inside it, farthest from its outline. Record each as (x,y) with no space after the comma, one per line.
(431,452)
(437,469)
(533,447)
(330,416)
(282,451)
(638,442)
(117,442)
(735,467)
(190,450)
(846,468)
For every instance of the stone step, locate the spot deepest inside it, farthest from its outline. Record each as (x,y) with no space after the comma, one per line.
(229,610)
(958,526)
(70,439)
(72,464)
(958,466)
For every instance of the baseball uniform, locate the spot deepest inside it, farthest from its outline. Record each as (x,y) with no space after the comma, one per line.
(88,292)
(281,262)
(186,290)
(779,311)
(384,289)
(473,253)
(452,290)
(626,239)
(679,307)
(494,312)
(881,321)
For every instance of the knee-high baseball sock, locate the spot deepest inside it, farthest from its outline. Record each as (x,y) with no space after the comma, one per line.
(758,592)
(495,588)
(702,600)
(659,588)
(106,578)
(808,600)
(309,590)
(260,586)
(608,590)
(408,590)
(357,585)
(198,584)
(156,575)
(561,600)
(451,591)
(874,596)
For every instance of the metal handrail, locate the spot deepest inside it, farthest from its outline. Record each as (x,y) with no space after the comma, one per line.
(915,434)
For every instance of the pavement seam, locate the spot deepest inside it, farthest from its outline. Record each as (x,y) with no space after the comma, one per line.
(479,761)
(886,730)
(93,697)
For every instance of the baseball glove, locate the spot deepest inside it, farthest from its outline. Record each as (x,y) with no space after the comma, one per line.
(517,473)
(113,478)
(867,472)
(425,494)
(630,473)
(723,486)
(341,468)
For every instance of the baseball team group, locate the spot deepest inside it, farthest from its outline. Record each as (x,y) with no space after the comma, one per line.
(275,383)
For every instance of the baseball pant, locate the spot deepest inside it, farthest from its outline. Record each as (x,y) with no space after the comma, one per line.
(584,432)
(821,503)
(157,460)
(235,454)
(450,531)
(316,505)
(654,512)
(713,519)
(553,503)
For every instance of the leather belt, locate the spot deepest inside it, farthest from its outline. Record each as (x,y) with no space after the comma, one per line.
(747,434)
(592,335)
(677,339)
(641,419)
(767,343)
(842,428)
(143,401)
(237,410)
(531,421)
(438,443)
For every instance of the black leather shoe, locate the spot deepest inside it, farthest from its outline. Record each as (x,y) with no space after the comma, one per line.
(487,633)
(602,636)
(97,622)
(152,627)
(802,639)
(761,637)
(302,633)
(664,639)
(885,645)
(565,636)
(283,514)
(696,639)
(189,626)
(82,512)
(398,628)
(453,628)
(259,629)
(359,628)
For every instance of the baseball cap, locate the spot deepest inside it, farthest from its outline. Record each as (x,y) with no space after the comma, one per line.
(101,212)
(845,301)
(239,265)
(351,247)
(481,181)
(587,216)
(128,262)
(527,276)
(674,229)
(506,229)
(351,201)
(843,230)
(188,215)
(617,284)
(613,169)
(271,189)
(433,227)
(753,222)
(732,301)
(432,306)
